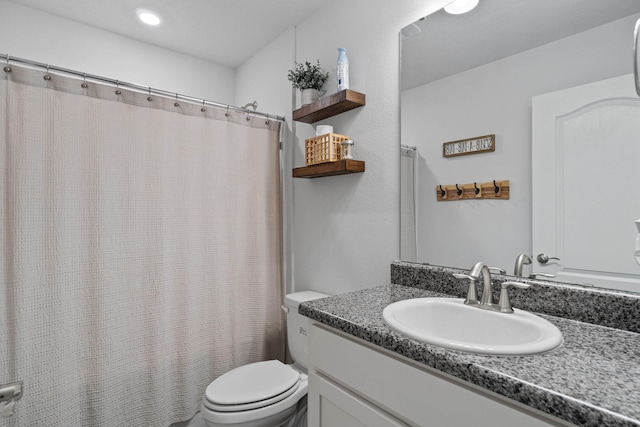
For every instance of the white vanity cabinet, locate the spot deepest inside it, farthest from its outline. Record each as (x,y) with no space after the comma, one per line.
(354,383)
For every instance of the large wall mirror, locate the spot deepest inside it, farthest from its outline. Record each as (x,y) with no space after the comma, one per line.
(538,75)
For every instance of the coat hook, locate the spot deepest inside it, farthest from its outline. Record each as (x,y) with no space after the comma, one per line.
(496,189)
(478,190)
(459,190)
(443,193)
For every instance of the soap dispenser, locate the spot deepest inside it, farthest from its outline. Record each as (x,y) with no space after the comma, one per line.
(342,70)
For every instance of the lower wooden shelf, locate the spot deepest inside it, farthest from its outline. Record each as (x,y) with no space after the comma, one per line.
(341,167)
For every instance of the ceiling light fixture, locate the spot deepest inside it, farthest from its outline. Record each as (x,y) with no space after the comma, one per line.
(457,7)
(149,17)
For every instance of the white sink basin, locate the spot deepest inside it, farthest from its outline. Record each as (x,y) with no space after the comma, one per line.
(449,323)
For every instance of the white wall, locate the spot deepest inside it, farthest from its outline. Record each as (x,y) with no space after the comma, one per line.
(343,230)
(496,98)
(42,37)
(346,228)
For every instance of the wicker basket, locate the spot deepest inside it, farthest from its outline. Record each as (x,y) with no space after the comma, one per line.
(323,148)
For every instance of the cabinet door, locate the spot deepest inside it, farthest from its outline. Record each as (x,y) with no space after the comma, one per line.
(331,406)
(416,394)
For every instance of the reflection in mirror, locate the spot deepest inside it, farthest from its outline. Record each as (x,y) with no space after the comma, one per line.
(408,210)
(465,76)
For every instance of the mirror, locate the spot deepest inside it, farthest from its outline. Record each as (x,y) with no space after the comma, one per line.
(471,75)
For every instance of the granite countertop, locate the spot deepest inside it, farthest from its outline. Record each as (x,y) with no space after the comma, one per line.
(593,379)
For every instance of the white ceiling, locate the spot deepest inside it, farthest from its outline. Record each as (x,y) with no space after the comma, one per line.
(441,44)
(227,32)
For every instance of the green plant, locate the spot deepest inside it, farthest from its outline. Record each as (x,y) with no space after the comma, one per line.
(308,76)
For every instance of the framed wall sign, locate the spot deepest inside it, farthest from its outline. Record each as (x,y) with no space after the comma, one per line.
(479,144)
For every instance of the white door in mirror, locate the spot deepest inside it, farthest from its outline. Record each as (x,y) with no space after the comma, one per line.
(577,215)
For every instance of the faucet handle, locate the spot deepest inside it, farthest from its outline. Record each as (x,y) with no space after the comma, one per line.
(464,276)
(504,303)
(472,296)
(497,270)
(534,275)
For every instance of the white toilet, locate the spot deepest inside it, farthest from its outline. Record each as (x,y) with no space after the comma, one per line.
(269,393)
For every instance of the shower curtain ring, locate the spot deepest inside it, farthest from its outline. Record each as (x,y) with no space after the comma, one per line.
(203,109)
(118,91)
(149,98)
(176,104)
(47,77)
(7,69)
(84,84)
(227,113)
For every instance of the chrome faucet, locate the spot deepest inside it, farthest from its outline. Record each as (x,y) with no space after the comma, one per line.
(523,259)
(474,276)
(487,293)
(486,302)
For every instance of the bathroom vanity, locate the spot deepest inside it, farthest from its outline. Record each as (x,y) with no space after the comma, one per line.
(363,373)
(353,383)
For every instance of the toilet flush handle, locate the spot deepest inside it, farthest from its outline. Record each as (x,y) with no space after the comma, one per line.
(284,308)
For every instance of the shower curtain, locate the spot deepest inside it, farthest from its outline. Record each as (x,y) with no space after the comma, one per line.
(140,250)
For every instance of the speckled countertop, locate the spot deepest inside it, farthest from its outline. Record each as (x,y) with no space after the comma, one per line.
(593,379)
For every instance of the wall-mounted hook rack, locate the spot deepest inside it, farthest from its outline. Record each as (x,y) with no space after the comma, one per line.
(476,190)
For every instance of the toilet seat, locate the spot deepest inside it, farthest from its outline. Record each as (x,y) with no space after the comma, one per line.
(251,405)
(252,386)
(252,392)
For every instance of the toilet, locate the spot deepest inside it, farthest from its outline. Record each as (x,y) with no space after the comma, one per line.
(268,393)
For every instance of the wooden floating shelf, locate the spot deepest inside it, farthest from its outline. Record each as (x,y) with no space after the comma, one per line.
(341,167)
(487,190)
(329,106)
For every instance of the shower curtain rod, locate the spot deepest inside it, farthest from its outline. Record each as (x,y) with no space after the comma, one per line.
(145,89)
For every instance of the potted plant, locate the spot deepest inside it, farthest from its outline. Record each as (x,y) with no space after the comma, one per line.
(309,78)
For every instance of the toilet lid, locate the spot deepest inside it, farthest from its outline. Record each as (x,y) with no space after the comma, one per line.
(251,383)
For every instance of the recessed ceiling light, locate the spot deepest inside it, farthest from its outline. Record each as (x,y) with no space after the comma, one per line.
(149,17)
(456,7)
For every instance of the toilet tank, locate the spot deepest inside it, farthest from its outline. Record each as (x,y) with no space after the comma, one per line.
(297,324)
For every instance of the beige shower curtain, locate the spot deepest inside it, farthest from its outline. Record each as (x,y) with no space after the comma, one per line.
(140,251)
